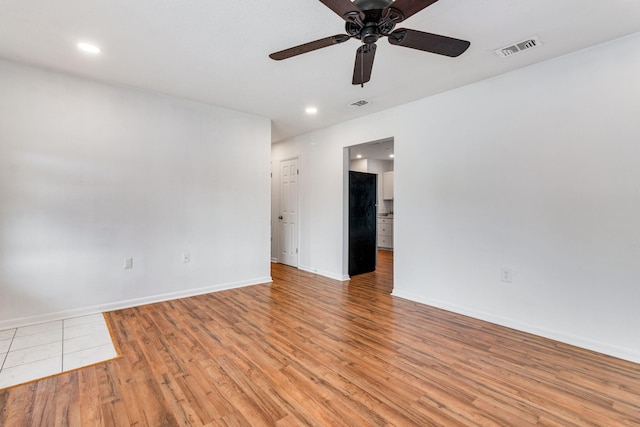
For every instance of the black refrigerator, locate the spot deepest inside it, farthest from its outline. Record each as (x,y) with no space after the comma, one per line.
(362,222)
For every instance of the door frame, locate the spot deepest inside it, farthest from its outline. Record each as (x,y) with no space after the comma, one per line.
(346,163)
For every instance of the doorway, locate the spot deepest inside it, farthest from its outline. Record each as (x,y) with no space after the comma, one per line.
(376,158)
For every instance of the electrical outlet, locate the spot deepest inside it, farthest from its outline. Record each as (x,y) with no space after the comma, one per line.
(506,275)
(128,263)
(186,258)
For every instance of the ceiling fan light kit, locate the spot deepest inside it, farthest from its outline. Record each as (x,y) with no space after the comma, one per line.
(370,20)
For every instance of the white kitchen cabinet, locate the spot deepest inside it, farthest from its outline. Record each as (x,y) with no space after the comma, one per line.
(387,185)
(385,233)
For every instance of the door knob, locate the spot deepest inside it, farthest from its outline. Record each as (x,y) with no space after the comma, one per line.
(280,217)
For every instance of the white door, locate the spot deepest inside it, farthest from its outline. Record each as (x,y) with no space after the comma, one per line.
(289,212)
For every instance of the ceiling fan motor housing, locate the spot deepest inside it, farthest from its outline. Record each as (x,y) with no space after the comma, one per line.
(373,26)
(369,34)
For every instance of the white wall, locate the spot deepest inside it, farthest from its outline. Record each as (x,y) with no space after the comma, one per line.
(536,170)
(91,173)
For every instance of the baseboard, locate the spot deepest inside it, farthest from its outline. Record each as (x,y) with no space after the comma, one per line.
(274,260)
(604,348)
(324,273)
(67,314)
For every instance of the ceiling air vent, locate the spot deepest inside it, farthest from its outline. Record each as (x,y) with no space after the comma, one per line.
(521,46)
(360,103)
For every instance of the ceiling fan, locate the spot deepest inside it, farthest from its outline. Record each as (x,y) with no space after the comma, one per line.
(369,20)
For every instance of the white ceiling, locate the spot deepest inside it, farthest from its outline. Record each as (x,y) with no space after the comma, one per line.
(216,51)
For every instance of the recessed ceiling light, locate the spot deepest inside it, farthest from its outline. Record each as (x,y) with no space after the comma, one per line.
(311,110)
(391,155)
(359,156)
(89,48)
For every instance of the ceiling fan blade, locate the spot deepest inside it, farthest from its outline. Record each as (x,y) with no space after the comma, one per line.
(428,42)
(344,9)
(308,47)
(364,64)
(408,7)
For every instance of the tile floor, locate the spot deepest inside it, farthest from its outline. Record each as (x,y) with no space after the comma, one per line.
(46,349)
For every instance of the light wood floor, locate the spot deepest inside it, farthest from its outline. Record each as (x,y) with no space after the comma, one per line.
(307,350)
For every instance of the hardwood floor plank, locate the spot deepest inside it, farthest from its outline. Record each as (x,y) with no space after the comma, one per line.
(43,412)
(88,397)
(173,394)
(67,407)
(308,350)
(19,406)
(115,414)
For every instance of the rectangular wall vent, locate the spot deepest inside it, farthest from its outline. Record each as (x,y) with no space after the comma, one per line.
(521,46)
(360,103)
